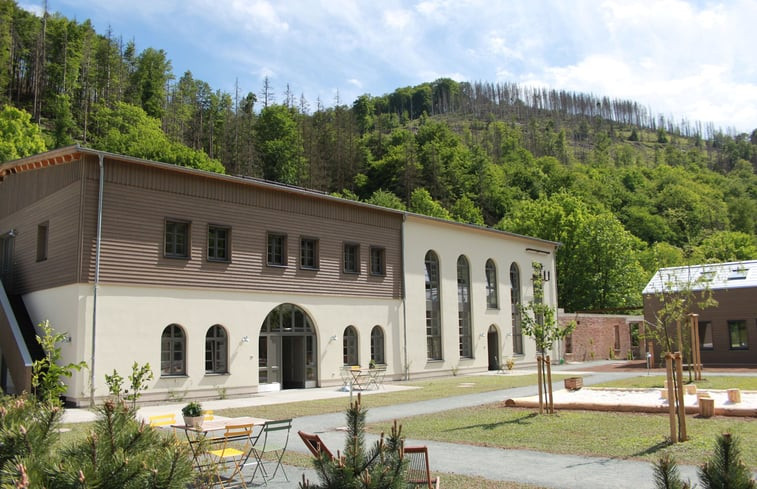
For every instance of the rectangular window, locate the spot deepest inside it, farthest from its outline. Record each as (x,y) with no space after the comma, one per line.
(705,335)
(351,259)
(378,261)
(177,239)
(42,235)
(219,243)
(617,337)
(309,253)
(277,247)
(738,335)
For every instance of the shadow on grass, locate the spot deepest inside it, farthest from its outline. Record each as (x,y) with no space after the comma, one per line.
(652,449)
(523,420)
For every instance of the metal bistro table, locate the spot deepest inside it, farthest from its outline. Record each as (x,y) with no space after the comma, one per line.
(198,439)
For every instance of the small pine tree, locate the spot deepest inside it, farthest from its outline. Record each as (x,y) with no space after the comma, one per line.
(380,467)
(725,470)
(666,474)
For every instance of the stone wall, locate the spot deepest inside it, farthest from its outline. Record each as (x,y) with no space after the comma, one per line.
(599,337)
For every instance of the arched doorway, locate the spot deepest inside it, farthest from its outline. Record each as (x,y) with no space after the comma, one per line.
(492,340)
(287,349)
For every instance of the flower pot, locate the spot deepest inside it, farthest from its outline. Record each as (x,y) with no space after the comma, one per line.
(193,421)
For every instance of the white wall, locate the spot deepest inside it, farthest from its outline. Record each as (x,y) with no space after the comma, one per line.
(130,321)
(449,241)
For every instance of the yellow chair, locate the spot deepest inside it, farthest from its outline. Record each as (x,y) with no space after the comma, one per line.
(160,420)
(207,415)
(236,446)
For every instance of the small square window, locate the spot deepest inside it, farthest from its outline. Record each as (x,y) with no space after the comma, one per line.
(705,335)
(42,237)
(277,247)
(309,253)
(378,261)
(351,259)
(176,239)
(219,240)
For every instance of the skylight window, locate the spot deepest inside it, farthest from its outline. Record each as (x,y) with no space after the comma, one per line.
(738,273)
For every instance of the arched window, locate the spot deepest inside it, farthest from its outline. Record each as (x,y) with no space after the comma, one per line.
(492,296)
(173,351)
(215,350)
(463,308)
(377,345)
(349,342)
(515,302)
(433,308)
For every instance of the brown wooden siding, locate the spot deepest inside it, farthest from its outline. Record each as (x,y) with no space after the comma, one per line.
(138,199)
(50,195)
(736,303)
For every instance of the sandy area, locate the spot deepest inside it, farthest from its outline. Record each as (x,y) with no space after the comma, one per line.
(642,400)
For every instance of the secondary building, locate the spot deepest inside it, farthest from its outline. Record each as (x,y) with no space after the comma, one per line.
(229,286)
(728,330)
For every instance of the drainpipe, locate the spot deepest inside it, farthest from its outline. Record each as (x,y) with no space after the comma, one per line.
(97,280)
(404,295)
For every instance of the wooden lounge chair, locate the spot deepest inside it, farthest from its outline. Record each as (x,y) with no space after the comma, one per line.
(316,445)
(418,473)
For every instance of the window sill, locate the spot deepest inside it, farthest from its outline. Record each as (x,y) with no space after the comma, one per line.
(276,265)
(174,376)
(217,374)
(739,348)
(309,269)
(176,257)
(217,260)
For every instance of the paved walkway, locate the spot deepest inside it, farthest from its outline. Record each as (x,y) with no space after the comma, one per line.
(542,469)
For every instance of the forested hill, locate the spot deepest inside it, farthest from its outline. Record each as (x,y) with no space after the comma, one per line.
(624,190)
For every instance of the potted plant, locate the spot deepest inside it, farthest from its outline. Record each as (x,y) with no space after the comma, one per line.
(372,363)
(192,413)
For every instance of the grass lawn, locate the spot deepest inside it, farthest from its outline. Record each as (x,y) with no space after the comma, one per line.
(618,435)
(713,382)
(436,388)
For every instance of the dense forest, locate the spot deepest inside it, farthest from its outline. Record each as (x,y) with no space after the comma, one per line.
(624,191)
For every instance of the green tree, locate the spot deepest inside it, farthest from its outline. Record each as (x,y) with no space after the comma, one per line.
(422,203)
(149,80)
(47,375)
(465,210)
(64,122)
(18,136)
(725,246)
(379,467)
(384,198)
(667,475)
(725,470)
(278,143)
(128,130)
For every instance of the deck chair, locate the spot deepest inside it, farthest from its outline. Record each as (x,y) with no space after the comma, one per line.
(235,447)
(270,447)
(316,445)
(418,473)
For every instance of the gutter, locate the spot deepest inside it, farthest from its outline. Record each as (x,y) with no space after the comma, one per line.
(404,296)
(97,278)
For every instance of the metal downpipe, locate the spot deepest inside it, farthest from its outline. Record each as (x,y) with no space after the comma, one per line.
(97,279)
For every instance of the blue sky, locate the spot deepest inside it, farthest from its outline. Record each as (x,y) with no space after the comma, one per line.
(692,59)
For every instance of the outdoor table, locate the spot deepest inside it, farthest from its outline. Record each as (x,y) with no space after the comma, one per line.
(196,435)
(360,378)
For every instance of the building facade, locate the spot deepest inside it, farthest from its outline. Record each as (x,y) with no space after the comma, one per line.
(727,330)
(229,286)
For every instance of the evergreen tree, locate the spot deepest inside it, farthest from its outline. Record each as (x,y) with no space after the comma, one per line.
(725,470)
(666,474)
(380,467)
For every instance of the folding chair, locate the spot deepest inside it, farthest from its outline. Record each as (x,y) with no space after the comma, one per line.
(418,473)
(236,446)
(272,443)
(207,415)
(316,445)
(162,420)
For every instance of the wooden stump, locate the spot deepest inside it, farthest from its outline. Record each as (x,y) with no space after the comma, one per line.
(703,395)
(706,407)
(734,395)
(574,383)
(664,393)
(691,389)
